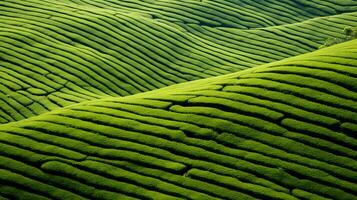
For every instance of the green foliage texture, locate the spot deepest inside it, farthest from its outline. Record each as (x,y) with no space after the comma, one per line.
(178,99)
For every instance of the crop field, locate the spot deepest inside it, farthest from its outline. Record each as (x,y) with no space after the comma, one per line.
(178,99)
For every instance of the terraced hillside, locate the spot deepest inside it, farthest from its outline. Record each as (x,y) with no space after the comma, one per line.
(56,53)
(285,130)
(169,99)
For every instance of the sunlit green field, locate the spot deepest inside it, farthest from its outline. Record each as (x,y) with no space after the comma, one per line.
(178,99)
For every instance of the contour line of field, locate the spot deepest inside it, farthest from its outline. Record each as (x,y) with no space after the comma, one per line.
(191,85)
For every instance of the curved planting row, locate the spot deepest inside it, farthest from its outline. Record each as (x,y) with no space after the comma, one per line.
(243,14)
(54,54)
(285,130)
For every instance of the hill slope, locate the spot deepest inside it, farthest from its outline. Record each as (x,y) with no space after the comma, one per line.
(285,130)
(56,53)
(167,99)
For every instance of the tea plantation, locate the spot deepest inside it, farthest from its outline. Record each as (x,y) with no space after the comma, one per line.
(177,99)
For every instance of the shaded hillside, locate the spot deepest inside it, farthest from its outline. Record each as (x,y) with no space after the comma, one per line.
(57,53)
(168,99)
(284,130)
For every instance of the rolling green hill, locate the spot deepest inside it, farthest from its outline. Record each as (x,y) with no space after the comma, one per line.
(56,53)
(171,99)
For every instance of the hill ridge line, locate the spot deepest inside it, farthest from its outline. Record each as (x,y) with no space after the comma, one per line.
(185,85)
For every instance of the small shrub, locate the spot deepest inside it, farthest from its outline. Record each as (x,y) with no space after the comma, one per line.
(350,33)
